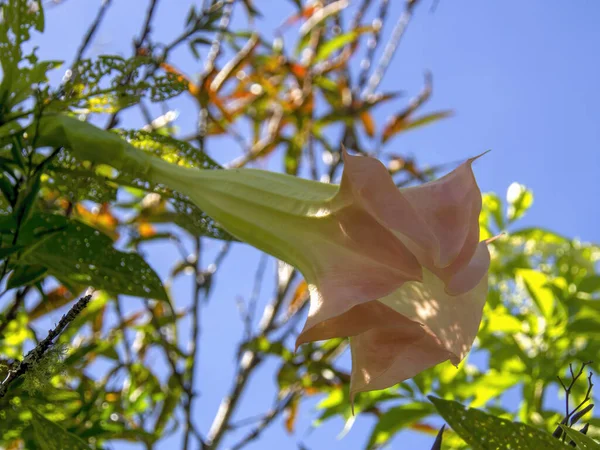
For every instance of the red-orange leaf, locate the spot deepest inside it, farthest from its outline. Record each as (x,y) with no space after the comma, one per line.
(56,298)
(368,123)
(291,413)
(300,297)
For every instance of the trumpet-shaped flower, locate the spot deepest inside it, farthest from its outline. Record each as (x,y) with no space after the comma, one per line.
(399,271)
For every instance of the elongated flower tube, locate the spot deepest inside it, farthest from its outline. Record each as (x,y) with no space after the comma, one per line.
(399,271)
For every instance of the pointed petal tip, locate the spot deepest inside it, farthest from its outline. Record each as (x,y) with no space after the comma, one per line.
(475,158)
(498,236)
(345,154)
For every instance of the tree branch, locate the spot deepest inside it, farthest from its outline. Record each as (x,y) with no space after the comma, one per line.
(248,363)
(280,406)
(391,47)
(89,36)
(36,354)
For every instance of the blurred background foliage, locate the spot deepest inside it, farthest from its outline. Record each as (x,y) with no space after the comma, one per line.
(67,225)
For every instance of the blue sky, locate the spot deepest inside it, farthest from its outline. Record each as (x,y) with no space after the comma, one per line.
(522,77)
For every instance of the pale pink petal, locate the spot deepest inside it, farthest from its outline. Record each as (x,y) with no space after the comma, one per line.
(355,321)
(452,319)
(469,275)
(383,357)
(437,221)
(386,239)
(430,327)
(451,208)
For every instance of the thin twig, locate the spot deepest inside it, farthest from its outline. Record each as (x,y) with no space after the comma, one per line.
(391,47)
(258,279)
(147,27)
(249,361)
(36,354)
(198,286)
(209,66)
(568,414)
(373,44)
(267,419)
(89,36)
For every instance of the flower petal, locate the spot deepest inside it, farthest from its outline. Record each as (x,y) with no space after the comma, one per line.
(430,327)
(437,221)
(383,357)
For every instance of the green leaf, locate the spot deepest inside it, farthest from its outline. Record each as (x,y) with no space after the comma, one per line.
(519,200)
(338,42)
(493,206)
(589,284)
(485,432)
(19,18)
(583,442)
(537,285)
(5,252)
(437,445)
(23,275)
(51,436)
(394,419)
(81,255)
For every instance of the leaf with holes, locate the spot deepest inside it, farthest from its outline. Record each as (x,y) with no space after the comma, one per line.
(77,254)
(582,441)
(483,431)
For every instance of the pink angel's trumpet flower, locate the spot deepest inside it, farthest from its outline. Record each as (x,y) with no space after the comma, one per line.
(399,271)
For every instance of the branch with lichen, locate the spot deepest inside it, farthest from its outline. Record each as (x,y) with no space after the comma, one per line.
(35,355)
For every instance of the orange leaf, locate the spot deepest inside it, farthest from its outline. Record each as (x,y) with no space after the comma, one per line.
(304,14)
(298,70)
(146,230)
(300,297)
(424,428)
(402,122)
(99,320)
(291,413)
(309,391)
(102,219)
(112,397)
(368,123)
(56,298)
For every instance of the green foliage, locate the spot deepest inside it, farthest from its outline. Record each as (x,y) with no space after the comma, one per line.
(397,418)
(77,255)
(51,436)
(483,431)
(582,441)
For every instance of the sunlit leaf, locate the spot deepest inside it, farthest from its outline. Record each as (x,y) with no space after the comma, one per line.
(397,418)
(519,200)
(332,45)
(537,286)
